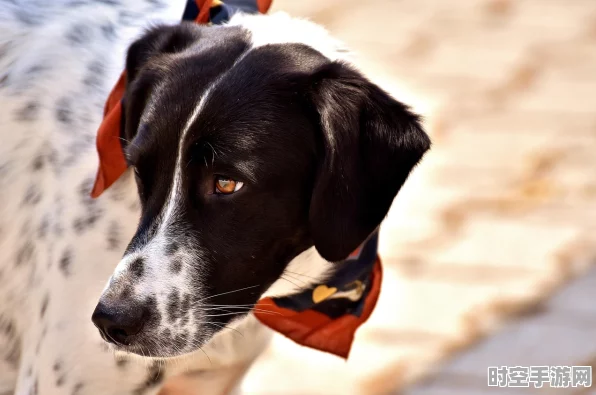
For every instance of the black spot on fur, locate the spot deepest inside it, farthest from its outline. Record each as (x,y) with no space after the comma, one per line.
(66,263)
(127,18)
(79,34)
(181,340)
(185,310)
(154,378)
(64,113)
(176,265)
(114,236)
(28,113)
(78,225)
(92,215)
(32,195)
(60,380)
(121,362)
(35,70)
(78,3)
(173,308)
(77,389)
(25,253)
(84,190)
(4,80)
(108,31)
(44,306)
(156,3)
(166,334)
(7,328)
(95,74)
(126,292)
(172,248)
(12,350)
(44,225)
(57,366)
(137,267)
(27,16)
(37,163)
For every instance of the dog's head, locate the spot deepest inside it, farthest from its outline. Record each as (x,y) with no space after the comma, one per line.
(257,154)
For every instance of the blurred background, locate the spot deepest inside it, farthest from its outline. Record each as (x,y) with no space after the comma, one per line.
(489,251)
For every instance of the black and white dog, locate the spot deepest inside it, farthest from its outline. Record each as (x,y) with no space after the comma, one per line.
(255,150)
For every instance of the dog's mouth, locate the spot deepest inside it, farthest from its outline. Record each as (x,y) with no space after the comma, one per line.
(145,335)
(161,346)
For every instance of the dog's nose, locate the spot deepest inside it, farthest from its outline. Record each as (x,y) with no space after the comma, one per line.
(116,323)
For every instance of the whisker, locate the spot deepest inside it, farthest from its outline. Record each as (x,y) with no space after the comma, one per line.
(291,282)
(238,309)
(210,363)
(297,279)
(226,314)
(224,327)
(303,275)
(229,305)
(229,292)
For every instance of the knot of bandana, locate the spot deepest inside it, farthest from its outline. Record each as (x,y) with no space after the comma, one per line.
(324,317)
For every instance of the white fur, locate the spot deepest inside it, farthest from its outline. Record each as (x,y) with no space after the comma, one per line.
(280,28)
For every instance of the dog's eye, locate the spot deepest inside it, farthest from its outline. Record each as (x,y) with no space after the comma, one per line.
(226,186)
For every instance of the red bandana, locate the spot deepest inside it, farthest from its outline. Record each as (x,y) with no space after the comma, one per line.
(324,317)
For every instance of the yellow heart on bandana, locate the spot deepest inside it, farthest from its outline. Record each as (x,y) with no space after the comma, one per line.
(322,292)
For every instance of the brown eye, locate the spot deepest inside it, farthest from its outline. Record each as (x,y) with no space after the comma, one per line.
(226,186)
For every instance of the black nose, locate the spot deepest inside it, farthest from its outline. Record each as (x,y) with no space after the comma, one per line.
(116,323)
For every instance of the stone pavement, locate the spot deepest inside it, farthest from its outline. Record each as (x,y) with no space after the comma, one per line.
(557,332)
(500,215)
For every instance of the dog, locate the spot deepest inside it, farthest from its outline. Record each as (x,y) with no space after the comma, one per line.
(254,149)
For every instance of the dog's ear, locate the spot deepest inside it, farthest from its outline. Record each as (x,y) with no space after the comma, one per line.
(159,40)
(156,42)
(370,143)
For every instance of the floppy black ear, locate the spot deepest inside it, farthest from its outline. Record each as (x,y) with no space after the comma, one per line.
(157,41)
(371,143)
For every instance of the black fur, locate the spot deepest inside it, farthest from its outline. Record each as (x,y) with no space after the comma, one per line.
(321,150)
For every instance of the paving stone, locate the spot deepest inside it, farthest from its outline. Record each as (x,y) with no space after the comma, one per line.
(578,298)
